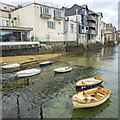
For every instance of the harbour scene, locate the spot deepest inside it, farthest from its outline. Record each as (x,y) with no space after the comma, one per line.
(53,91)
(59,59)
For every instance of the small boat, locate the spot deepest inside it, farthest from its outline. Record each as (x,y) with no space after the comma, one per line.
(45,63)
(62,69)
(29,72)
(90,97)
(88,83)
(10,66)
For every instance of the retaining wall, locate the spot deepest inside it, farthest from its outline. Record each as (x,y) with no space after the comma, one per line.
(49,47)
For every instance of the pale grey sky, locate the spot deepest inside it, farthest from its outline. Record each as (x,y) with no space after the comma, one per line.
(107,7)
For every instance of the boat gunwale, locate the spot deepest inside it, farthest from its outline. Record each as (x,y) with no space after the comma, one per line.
(46,62)
(101,80)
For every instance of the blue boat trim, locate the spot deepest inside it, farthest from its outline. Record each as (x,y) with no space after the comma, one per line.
(87,87)
(50,63)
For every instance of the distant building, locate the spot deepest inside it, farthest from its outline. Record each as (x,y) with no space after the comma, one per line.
(99,26)
(103,27)
(118,36)
(110,33)
(93,26)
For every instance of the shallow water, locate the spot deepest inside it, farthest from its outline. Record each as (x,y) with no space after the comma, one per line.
(22,97)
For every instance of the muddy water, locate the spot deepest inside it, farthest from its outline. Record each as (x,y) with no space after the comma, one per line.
(23,97)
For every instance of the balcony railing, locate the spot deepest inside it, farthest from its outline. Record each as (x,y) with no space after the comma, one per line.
(92,18)
(92,25)
(58,18)
(45,15)
(92,32)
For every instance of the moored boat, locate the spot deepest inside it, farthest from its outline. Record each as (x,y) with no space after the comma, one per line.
(45,63)
(10,66)
(62,69)
(29,72)
(90,97)
(88,83)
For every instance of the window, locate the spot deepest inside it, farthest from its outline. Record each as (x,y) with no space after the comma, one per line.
(76,11)
(59,13)
(24,36)
(8,36)
(14,23)
(72,27)
(86,28)
(82,19)
(51,25)
(45,10)
(47,37)
(4,23)
(11,9)
(5,7)
(7,23)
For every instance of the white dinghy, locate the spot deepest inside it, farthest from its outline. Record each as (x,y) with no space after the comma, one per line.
(10,66)
(29,72)
(62,69)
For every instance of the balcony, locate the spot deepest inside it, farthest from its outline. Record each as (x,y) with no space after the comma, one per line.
(92,25)
(58,18)
(47,16)
(92,18)
(92,32)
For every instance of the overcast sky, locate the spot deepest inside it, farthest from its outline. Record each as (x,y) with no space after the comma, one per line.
(109,8)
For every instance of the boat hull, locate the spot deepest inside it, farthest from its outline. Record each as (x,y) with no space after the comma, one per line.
(87,105)
(42,64)
(11,66)
(87,87)
(62,71)
(25,73)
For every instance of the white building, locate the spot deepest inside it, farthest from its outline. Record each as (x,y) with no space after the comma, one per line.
(70,30)
(10,29)
(98,36)
(47,22)
(103,27)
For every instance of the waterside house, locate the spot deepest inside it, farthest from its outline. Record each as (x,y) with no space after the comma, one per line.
(13,36)
(110,33)
(76,22)
(47,22)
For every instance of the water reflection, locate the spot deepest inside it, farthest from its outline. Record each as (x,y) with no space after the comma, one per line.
(89,112)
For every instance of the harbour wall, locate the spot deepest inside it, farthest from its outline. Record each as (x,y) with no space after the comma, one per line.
(49,47)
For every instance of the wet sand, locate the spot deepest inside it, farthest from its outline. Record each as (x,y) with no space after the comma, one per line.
(27,58)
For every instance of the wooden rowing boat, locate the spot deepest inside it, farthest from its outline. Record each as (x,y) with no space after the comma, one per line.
(45,63)
(62,69)
(90,97)
(29,72)
(88,83)
(10,66)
